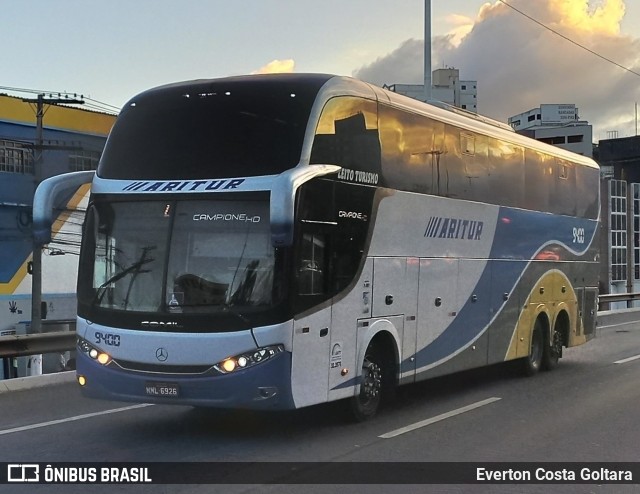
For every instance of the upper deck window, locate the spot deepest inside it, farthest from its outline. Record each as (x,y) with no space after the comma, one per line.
(347,135)
(213,129)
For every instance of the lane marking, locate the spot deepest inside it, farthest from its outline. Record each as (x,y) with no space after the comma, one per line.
(438,418)
(625,360)
(72,419)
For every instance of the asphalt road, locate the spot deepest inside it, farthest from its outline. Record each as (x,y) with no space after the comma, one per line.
(584,411)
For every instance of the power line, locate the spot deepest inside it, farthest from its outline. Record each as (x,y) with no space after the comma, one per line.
(93,105)
(100,103)
(569,39)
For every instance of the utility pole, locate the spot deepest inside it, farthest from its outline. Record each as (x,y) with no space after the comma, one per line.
(427,50)
(36,262)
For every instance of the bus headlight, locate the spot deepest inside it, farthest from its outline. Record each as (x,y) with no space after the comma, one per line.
(248,359)
(88,349)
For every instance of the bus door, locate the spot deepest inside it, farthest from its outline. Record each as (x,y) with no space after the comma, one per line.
(312,323)
(395,293)
(438,302)
(349,306)
(475,299)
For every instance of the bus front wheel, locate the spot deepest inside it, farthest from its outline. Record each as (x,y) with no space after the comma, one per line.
(365,404)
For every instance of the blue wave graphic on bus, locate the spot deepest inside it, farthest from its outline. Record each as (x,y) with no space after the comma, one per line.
(520,235)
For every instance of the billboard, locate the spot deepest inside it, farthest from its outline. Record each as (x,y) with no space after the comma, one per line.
(562,114)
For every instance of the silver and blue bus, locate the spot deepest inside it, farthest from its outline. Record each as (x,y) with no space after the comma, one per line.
(279,241)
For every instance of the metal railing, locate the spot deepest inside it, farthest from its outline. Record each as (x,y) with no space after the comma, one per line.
(22,345)
(64,341)
(618,297)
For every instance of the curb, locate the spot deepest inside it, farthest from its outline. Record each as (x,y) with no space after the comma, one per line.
(620,317)
(31,382)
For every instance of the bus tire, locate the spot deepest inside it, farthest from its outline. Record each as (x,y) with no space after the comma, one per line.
(366,403)
(552,352)
(533,362)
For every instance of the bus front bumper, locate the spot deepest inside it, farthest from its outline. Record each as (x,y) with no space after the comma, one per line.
(266,386)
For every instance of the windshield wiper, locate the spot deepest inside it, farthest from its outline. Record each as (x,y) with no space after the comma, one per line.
(229,309)
(136,268)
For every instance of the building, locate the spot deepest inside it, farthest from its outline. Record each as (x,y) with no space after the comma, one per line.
(619,161)
(620,238)
(558,125)
(446,87)
(72,140)
(620,158)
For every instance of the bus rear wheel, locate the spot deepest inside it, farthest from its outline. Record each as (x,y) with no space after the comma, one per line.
(532,363)
(552,352)
(365,404)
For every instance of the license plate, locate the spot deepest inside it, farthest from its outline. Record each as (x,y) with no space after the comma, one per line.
(162,389)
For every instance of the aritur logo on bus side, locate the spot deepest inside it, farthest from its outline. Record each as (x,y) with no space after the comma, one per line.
(457,228)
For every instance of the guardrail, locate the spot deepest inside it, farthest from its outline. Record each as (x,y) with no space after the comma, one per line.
(22,345)
(63,341)
(605,300)
(618,297)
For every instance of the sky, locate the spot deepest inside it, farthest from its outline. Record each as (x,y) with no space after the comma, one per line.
(112,50)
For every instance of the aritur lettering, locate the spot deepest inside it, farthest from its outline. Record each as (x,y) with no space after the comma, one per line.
(455,228)
(187,185)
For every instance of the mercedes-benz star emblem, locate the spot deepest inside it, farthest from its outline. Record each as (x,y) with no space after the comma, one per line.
(162,354)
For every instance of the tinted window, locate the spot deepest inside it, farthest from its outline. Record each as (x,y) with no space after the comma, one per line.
(412,148)
(477,172)
(312,264)
(219,129)
(347,136)
(562,196)
(538,173)
(334,222)
(506,173)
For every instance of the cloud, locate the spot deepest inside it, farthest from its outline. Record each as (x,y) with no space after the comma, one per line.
(462,26)
(276,67)
(403,65)
(519,65)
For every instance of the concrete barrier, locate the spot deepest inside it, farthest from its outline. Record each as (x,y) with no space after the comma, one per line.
(624,318)
(21,383)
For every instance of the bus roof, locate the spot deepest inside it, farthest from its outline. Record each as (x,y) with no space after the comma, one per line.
(329,86)
(452,116)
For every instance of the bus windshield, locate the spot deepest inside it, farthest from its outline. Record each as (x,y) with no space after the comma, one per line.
(178,257)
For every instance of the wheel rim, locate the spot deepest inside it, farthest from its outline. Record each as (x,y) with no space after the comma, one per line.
(556,348)
(371,383)
(536,349)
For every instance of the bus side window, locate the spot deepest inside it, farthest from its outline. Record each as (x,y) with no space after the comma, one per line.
(347,135)
(311,271)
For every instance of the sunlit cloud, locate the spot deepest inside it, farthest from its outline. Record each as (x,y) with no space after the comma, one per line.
(600,18)
(277,67)
(462,25)
(519,64)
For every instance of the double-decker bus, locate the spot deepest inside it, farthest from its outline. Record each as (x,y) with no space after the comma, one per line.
(278,241)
